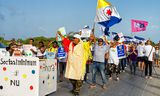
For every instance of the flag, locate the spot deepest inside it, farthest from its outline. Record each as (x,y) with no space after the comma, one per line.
(104,30)
(139,38)
(106,14)
(128,39)
(138,25)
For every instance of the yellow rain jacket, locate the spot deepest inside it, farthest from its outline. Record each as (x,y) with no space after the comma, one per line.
(76,62)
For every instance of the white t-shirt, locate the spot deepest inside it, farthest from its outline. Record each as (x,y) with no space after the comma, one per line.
(39,53)
(148,49)
(35,49)
(99,53)
(29,53)
(141,50)
(113,56)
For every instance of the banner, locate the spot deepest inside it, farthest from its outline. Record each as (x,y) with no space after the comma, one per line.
(48,76)
(138,25)
(27,76)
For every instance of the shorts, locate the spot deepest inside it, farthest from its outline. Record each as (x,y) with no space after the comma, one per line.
(140,59)
(156,56)
(62,66)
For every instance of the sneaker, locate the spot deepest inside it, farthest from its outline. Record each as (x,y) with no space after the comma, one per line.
(104,86)
(150,77)
(123,71)
(110,78)
(92,86)
(146,77)
(76,94)
(117,78)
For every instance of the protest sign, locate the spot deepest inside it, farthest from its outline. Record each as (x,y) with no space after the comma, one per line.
(27,50)
(62,30)
(86,32)
(48,76)
(28,76)
(121,51)
(61,53)
(27,47)
(121,37)
(2,52)
(50,55)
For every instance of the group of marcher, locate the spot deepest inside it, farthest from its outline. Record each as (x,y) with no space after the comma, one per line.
(93,54)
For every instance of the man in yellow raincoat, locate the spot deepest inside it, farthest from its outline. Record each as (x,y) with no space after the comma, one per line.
(76,61)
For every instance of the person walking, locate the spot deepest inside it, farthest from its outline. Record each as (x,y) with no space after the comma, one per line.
(100,50)
(140,58)
(133,59)
(149,55)
(76,60)
(113,61)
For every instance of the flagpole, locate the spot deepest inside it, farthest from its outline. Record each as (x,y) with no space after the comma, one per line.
(93,29)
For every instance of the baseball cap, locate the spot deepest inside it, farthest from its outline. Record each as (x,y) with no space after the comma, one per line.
(77,36)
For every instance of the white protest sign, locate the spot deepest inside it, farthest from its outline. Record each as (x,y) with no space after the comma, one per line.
(121,37)
(27,50)
(50,55)
(86,32)
(20,74)
(27,47)
(28,76)
(2,52)
(48,76)
(63,32)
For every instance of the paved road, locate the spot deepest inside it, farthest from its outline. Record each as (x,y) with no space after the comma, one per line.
(128,85)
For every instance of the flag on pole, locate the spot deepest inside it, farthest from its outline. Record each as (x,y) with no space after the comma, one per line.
(138,25)
(104,30)
(106,14)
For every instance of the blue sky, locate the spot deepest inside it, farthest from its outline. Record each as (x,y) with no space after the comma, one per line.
(30,18)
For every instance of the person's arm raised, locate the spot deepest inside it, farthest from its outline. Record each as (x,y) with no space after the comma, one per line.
(105,40)
(59,33)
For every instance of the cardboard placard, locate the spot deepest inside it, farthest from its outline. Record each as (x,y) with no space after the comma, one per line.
(48,76)
(26,76)
(50,55)
(63,32)
(86,32)
(61,53)
(121,51)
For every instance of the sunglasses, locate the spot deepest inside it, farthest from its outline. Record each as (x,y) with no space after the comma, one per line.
(74,38)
